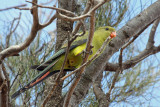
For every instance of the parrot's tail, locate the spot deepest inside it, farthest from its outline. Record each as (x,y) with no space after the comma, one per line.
(34,82)
(43,75)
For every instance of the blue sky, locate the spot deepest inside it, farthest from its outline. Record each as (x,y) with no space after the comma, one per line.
(136,5)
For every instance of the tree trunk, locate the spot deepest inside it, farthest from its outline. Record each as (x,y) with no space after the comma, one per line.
(64,29)
(4,88)
(132,28)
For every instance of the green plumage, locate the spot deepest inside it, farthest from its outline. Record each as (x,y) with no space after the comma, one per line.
(74,59)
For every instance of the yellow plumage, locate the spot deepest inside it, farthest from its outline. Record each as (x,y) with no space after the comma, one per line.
(74,59)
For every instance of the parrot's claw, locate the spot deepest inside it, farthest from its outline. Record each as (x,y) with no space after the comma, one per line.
(83,53)
(90,52)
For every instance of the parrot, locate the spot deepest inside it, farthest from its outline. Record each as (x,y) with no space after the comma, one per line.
(74,58)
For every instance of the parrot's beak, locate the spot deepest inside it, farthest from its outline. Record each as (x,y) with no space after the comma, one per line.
(113,34)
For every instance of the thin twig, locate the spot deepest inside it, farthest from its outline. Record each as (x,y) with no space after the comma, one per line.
(58,9)
(156,22)
(18,48)
(88,14)
(88,6)
(48,17)
(72,19)
(90,60)
(87,50)
(56,83)
(114,81)
(11,31)
(59,75)
(27,8)
(13,7)
(68,81)
(49,22)
(88,47)
(121,51)
(14,80)
(49,2)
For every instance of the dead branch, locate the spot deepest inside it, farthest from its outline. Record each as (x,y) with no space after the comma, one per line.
(13,7)
(35,28)
(54,8)
(11,31)
(88,48)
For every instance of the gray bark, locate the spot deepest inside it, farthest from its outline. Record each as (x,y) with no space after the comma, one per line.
(132,28)
(64,28)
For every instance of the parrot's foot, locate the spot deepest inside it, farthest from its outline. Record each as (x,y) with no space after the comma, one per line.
(90,52)
(83,53)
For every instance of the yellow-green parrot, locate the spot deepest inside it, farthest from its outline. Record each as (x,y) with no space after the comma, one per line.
(74,59)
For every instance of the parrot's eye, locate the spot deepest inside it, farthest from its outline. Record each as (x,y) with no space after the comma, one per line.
(107,29)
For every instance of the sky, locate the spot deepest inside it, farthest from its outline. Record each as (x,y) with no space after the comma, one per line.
(136,5)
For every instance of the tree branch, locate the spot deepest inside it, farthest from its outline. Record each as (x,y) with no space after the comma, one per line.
(150,49)
(132,62)
(64,17)
(100,95)
(54,8)
(59,75)
(88,48)
(49,22)
(18,48)
(132,28)
(152,34)
(13,7)
(11,31)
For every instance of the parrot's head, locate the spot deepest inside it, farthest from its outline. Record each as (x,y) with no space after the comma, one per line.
(108,31)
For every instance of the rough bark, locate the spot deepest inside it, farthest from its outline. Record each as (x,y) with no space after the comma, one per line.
(64,28)
(4,87)
(132,28)
(102,98)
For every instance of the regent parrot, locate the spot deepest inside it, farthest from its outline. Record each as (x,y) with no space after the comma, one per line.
(74,59)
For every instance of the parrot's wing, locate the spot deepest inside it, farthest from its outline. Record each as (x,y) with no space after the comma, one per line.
(49,61)
(78,45)
(58,54)
(45,67)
